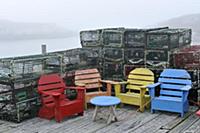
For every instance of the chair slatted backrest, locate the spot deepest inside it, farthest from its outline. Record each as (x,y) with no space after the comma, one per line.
(172,80)
(139,77)
(89,77)
(50,83)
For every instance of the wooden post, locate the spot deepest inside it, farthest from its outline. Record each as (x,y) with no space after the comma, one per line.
(44,51)
(44,48)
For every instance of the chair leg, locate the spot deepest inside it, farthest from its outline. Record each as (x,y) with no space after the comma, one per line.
(147,104)
(121,105)
(58,118)
(142,108)
(152,111)
(85,105)
(81,114)
(182,114)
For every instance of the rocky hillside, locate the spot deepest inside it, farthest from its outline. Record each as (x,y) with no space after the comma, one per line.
(190,21)
(10,30)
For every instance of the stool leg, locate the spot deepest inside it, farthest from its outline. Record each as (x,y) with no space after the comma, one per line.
(95,113)
(114,113)
(110,117)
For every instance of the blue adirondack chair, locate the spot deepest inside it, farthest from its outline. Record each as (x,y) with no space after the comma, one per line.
(174,88)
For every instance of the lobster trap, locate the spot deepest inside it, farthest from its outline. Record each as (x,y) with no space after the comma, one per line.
(113,54)
(91,38)
(18,100)
(168,39)
(137,38)
(134,56)
(157,58)
(113,71)
(188,58)
(18,83)
(113,37)
(79,58)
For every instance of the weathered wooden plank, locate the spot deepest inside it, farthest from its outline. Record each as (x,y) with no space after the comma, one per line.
(29,126)
(79,124)
(162,131)
(12,126)
(40,125)
(155,124)
(54,127)
(185,124)
(99,124)
(129,121)
(195,128)
(177,121)
(5,126)
(94,126)
(121,117)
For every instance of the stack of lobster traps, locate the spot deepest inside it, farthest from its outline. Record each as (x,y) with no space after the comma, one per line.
(78,58)
(18,83)
(91,40)
(113,53)
(162,43)
(189,58)
(121,48)
(108,43)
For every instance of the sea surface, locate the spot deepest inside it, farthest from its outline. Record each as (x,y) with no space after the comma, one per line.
(31,47)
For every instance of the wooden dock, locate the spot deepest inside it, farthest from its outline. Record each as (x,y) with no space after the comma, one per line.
(130,121)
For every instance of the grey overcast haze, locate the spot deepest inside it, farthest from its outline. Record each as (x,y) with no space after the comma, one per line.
(90,14)
(26,24)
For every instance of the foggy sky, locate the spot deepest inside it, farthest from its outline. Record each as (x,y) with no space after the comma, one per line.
(87,14)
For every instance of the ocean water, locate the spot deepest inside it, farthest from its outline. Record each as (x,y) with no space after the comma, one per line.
(31,47)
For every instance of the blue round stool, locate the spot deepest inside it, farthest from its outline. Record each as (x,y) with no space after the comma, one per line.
(105,101)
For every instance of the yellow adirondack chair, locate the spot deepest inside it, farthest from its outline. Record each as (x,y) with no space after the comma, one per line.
(136,89)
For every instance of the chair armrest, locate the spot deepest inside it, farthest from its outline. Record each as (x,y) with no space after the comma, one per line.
(54,94)
(107,81)
(80,84)
(186,88)
(109,84)
(151,89)
(143,87)
(119,83)
(80,91)
(117,86)
(153,85)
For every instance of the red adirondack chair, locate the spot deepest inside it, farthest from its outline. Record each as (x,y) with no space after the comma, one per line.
(55,104)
